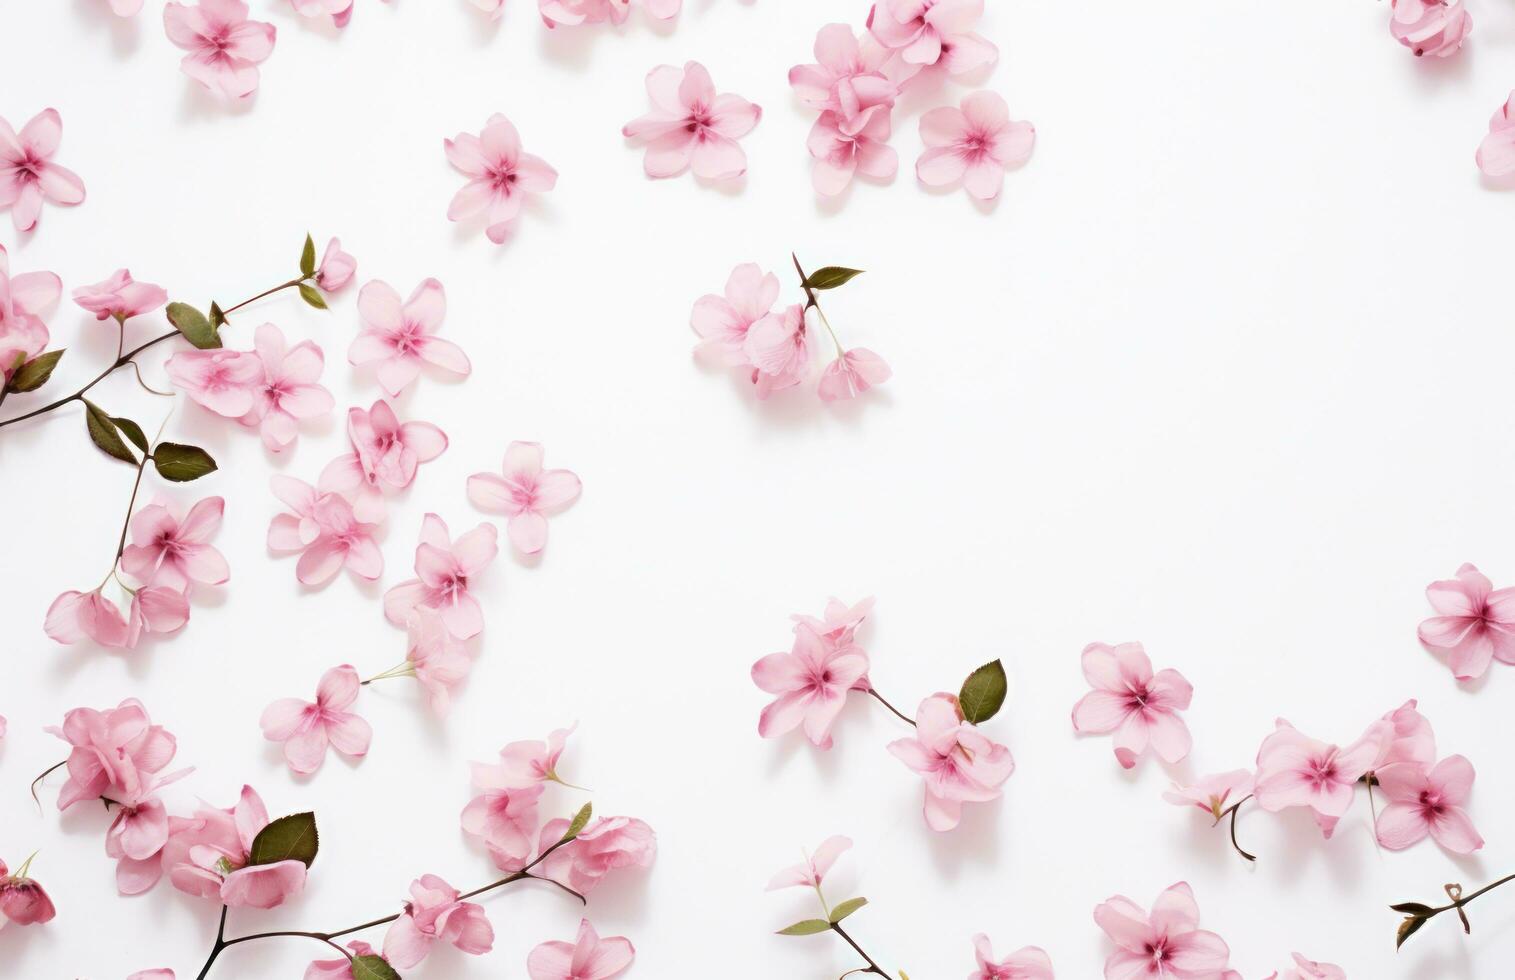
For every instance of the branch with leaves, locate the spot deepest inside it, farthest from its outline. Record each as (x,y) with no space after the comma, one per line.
(1418,914)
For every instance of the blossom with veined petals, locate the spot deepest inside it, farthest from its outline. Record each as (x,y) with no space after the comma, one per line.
(206,855)
(811,873)
(959,763)
(225,47)
(810,682)
(388,450)
(1296,770)
(1026,963)
(307,728)
(607,844)
(853,373)
(588,957)
(500,174)
(22,900)
(1165,943)
(434,914)
(223,381)
(324,530)
(526,493)
(1140,707)
(692,127)
(930,32)
(1496,154)
(444,568)
(1430,27)
(28,175)
(1475,623)
(120,296)
(847,81)
(722,321)
(76,615)
(840,155)
(400,337)
(172,548)
(1427,800)
(25,299)
(973,144)
(1213,794)
(288,392)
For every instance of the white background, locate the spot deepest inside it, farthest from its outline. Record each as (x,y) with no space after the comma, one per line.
(1227,370)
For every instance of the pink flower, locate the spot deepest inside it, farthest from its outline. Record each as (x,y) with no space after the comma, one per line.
(1433,27)
(1475,623)
(1296,770)
(691,127)
(325,532)
(444,571)
(1026,963)
(207,855)
(28,175)
(852,374)
(121,297)
(526,494)
(588,957)
(958,762)
(155,609)
(1213,794)
(1139,707)
(24,300)
(225,47)
(1412,741)
(437,658)
(1496,154)
(811,683)
(340,11)
(502,817)
(778,349)
(723,321)
(527,763)
(974,144)
(928,32)
(224,381)
(500,176)
(839,622)
(389,451)
(399,339)
(1427,800)
(571,13)
(1166,943)
(306,729)
(117,752)
(433,915)
(22,900)
(848,81)
(138,834)
(607,844)
(840,156)
(336,268)
(173,549)
(288,392)
(1311,970)
(337,969)
(76,615)
(813,871)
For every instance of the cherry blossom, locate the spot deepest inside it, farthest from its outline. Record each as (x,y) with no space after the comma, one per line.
(1496,154)
(1475,623)
(1166,943)
(973,144)
(336,269)
(839,156)
(1427,800)
(340,11)
(1140,707)
(434,914)
(778,348)
(74,616)
(307,728)
(25,299)
(389,451)
(527,763)
(588,957)
(155,609)
(928,32)
(436,658)
(1026,963)
(400,338)
(839,621)
(691,127)
(116,751)
(607,844)
(502,817)
(22,900)
(224,381)
(120,297)
(1213,794)
(288,393)
(1306,969)
(1296,770)
(225,47)
(445,569)
(206,855)
(722,321)
(525,493)
(958,762)
(28,175)
(1430,27)
(853,373)
(501,176)
(813,871)
(1412,741)
(847,82)
(172,548)
(340,538)
(810,682)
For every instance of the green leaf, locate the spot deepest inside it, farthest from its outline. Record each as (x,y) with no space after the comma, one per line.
(831,277)
(192,324)
(291,838)
(181,464)
(844,909)
(34,373)
(308,257)
(216,316)
(1408,928)
(372,967)
(102,432)
(579,822)
(132,431)
(983,693)
(806,927)
(312,296)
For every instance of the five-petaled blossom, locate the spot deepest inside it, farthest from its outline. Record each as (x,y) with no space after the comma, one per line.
(607,844)
(307,728)
(1140,707)
(398,338)
(222,381)
(813,871)
(588,957)
(810,682)
(500,176)
(1213,794)
(207,856)
(1307,969)
(1430,27)
(28,175)
(1427,800)
(1165,943)
(336,269)
(974,144)
(120,297)
(959,763)
(1496,154)
(852,373)
(690,127)
(225,47)
(325,532)
(443,569)
(25,299)
(839,155)
(930,32)
(172,548)
(386,454)
(847,81)
(1026,963)
(722,321)
(288,392)
(1475,623)
(22,900)
(435,914)
(525,493)
(1296,770)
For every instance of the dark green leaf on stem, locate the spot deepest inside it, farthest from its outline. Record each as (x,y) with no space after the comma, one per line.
(192,324)
(132,431)
(102,432)
(806,927)
(291,838)
(308,257)
(1408,928)
(983,693)
(216,316)
(844,909)
(831,277)
(181,464)
(34,373)
(312,296)
(372,967)
(579,822)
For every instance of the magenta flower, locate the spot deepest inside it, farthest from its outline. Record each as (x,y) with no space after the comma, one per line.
(811,873)
(444,571)
(288,393)
(340,11)
(24,300)
(335,969)
(853,373)
(434,915)
(691,127)
(588,957)
(400,338)
(810,682)
(1296,770)
(1475,623)
(847,81)
(1166,943)
(28,175)
(172,548)
(959,763)
(839,156)
(500,174)
(120,297)
(526,494)
(22,900)
(1430,27)
(1213,794)
(224,381)
(307,728)
(207,855)
(1140,707)
(1496,154)
(336,269)
(778,348)
(1427,800)
(502,817)
(607,844)
(928,32)
(1026,963)
(974,144)
(323,529)
(436,657)
(1306,969)
(722,321)
(225,47)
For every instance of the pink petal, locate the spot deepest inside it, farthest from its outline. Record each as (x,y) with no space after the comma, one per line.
(527,532)
(1401,825)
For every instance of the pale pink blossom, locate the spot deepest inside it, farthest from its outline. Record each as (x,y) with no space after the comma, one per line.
(340,11)
(502,817)
(172,548)
(155,609)
(225,47)
(347,476)
(525,493)
(437,658)
(339,968)
(224,381)
(388,450)
(24,300)
(853,373)
(1306,969)
(115,752)
(1213,794)
(691,127)
(1430,27)
(847,82)
(1140,707)
(607,844)
(297,529)
(120,297)
(399,338)
(336,269)
(1427,800)
(1496,154)
(839,621)
(1475,623)
(813,871)
(839,156)
(76,615)
(138,833)
(1026,963)
(1296,770)
(526,763)
(1165,943)
(1412,741)
(588,957)
(28,175)
(500,173)
(974,144)
(444,569)
(572,13)
(307,728)
(22,900)
(722,321)
(810,682)
(288,392)
(929,32)
(323,529)
(434,914)
(778,348)
(207,856)
(959,763)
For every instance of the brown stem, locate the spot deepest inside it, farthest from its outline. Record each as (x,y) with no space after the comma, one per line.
(1232,811)
(897,713)
(873,967)
(45,773)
